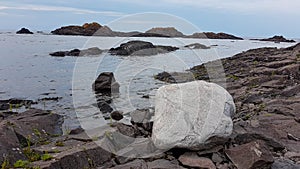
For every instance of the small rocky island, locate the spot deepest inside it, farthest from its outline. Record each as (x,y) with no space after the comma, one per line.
(95,29)
(140,48)
(24,31)
(78,52)
(277,39)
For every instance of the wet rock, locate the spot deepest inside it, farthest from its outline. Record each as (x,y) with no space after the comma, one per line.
(251,155)
(116,115)
(104,107)
(183,112)
(77,52)
(196,46)
(106,84)
(175,77)
(193,160)
(24,31)
(140,48)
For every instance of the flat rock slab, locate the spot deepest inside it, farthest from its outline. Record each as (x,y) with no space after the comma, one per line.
(250,156)
(187,115)
(193,160)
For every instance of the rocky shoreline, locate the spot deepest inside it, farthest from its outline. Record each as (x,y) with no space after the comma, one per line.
(265,87)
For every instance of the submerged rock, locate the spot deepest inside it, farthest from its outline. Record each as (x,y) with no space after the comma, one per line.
(77,52)
(24,31)
(187,115)
(140,48)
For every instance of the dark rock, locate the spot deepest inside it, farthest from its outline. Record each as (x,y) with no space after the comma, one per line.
(127,130)
(4,106)
(50,99)
(284,164)
(106,84)
(251,155)
(217,158)
(168,31)
(277,39)
(163,164)
(6,114)
(24,31)
(88,29)
(104,107)
(140,48)
(82,155)
(37,124)
(196,46)
(175,77)
(136,164)
(78,130)
(77,52)
(193,160)
(116,115)
(211,35)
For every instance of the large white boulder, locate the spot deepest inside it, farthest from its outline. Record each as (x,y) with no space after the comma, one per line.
(188,114)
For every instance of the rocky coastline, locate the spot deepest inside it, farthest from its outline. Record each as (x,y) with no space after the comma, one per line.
(264,84)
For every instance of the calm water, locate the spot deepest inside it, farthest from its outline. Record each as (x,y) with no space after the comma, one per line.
(27,71)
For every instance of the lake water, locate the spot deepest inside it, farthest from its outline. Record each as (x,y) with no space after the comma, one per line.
(27,71)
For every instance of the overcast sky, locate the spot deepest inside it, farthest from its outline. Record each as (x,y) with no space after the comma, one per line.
(247,18)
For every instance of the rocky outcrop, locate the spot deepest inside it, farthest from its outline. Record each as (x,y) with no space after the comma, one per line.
(212,35)
(30,127)
(168,31)
(140,48)
(105,83)
(277,39)
(88,29)
(264,83)
(187,115)
(24,31)
(77,52)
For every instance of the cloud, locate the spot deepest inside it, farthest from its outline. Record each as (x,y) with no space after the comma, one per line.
(286,6)
(59,9)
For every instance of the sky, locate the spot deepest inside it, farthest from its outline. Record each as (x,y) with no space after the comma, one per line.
(246,18)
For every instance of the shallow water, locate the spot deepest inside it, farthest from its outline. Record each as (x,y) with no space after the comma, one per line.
(27,71)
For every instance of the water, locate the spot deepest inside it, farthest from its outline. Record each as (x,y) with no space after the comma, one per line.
(27,71)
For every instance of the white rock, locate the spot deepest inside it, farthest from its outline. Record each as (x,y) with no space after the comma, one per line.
(188,114)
